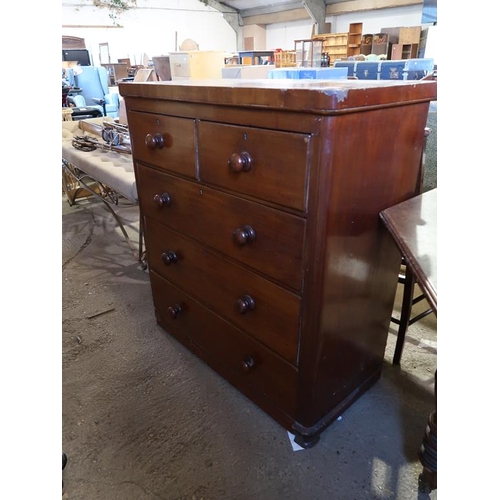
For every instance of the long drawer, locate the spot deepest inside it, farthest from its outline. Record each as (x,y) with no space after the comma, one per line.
(167,142)
(259,307)
(269,240)
(271,165)
(253,363)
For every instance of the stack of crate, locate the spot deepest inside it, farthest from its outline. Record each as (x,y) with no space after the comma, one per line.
(285,58)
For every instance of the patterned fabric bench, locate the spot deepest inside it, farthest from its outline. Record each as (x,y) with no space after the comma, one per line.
(104,173)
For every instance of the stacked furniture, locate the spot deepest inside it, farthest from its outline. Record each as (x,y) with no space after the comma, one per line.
(267,258)
(404,41)
(334,44)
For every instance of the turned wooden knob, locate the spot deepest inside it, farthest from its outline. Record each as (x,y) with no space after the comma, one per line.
(174,311)
(240,162)
(154,141)
(244,235)
(245,304)
(161,200)
(169,257)
(248,364)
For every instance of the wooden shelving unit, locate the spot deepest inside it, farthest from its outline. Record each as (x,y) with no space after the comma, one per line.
(354,39)
(334,44)
(404,51)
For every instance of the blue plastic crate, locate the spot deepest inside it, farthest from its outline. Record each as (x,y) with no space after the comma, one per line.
(393,70)
(418,68)
(280,73)
(309,73)
(423,64)
(350,65)
(367,70)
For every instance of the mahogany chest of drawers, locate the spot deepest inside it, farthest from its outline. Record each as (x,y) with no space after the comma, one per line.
(260,203)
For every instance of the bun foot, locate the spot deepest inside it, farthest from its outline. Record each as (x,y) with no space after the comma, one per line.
(306,441)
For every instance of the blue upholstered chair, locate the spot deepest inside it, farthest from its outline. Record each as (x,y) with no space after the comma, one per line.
(93,82)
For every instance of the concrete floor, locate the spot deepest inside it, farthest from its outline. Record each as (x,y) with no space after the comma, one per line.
(143,418)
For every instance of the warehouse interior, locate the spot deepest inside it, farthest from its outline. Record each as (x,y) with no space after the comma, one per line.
(137,414)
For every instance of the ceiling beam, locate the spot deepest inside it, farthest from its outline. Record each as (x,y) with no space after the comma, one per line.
(337,9)
(232,17)
(317,11)
(331,10)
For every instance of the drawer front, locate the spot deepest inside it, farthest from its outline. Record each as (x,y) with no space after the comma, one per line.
(167,142)
(257,306)
(267,164)
(253,363)
(266,239)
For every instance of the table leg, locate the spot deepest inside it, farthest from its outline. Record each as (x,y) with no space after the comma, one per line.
(427,480)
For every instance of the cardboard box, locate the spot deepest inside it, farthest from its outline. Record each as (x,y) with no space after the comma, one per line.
(247,71)
(196,64)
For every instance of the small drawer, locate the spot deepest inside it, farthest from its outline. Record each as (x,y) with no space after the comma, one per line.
(257,306)
(252,363)
(268,240)
(167,142)
(270,165)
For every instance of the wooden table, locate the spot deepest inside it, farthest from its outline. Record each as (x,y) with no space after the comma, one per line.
(255,56)
(413,225)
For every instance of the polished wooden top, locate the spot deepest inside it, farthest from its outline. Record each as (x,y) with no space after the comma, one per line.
(316,96)
(413,225)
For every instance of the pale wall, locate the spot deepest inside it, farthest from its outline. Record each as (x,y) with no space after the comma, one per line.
(150,29)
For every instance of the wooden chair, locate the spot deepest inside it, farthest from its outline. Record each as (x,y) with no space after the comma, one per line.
(407,279)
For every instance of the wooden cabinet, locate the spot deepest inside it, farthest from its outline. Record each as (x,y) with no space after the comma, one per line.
(409,34)
(309,52)
(380,45)
(266,254)
(408,38)
(196,64)
(404,51)
(366,44)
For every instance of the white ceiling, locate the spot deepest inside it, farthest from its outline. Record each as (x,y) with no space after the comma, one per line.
(257,7)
